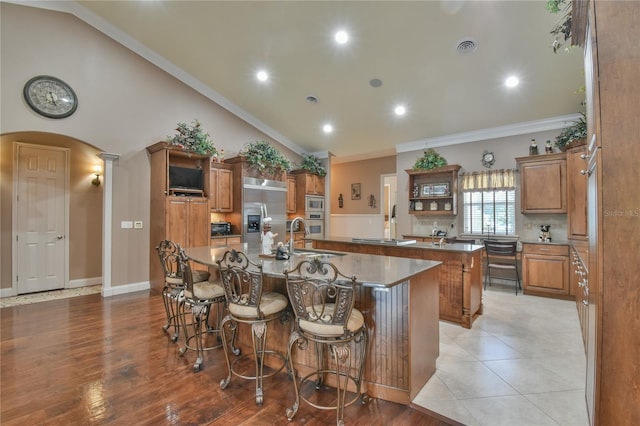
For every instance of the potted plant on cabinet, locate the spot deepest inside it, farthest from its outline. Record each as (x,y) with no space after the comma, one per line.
(430,160)
(312,164)
(192,138)
(265,159)
(572,134)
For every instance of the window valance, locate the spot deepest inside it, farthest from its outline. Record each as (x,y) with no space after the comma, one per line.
(489,180)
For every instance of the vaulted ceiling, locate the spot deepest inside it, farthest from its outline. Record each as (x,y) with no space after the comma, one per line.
(411,48)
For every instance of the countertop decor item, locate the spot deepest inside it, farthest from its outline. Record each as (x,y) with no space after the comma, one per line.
(262,156)
(192,138)
(430,160)
(50,97)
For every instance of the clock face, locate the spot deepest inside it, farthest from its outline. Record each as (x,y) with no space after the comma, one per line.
(50,97)
(488,159)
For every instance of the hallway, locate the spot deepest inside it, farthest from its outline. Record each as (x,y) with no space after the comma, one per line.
(522,363)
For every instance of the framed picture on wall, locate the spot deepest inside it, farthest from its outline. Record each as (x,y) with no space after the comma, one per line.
(355,191)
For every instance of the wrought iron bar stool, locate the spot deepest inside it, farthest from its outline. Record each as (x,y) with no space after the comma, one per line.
(172,296)
(199,299)
(247,303)
(323,300)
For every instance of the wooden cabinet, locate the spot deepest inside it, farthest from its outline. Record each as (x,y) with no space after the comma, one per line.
(307,184)
(184,219)
(299,239)
(187,221)
(221,188)
(545,270)
(577,193)
(291,194)
(434,192)
(543,183)
(579,284)
(225,241)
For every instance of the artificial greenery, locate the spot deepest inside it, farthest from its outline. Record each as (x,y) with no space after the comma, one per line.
(577,131)
(430,160)
(312,164)
(192,138)
(562,30)
(264,157)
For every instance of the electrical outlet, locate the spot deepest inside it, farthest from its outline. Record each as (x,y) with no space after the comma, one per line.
(137,224)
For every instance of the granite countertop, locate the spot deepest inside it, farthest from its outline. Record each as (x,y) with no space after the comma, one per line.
(369,270)
(554,242)
(453,247)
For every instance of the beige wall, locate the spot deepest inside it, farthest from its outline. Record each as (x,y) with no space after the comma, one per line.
(469,156)
(365,172)
(125,104)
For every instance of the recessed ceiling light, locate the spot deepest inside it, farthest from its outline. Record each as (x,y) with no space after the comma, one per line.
(512,81)
(262,75)
(400,110)
(312,99)
(327,128)
(341,37)
(375,82)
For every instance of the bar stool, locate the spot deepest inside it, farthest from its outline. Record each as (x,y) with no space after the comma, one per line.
(247,303)
(172,296)
(322,300)
(199,298)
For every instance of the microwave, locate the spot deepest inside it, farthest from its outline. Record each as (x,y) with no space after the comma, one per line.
(220,228)
(314,203)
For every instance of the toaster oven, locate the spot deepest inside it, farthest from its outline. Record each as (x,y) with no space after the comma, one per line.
(220,228)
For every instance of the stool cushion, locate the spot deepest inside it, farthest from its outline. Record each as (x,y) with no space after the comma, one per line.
(355,323)
(198,276)
(270,304)
(206,291)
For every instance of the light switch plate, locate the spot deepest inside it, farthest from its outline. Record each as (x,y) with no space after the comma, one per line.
(126,224)
(137,224)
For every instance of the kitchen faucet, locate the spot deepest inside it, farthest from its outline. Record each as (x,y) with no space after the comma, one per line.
(293,224)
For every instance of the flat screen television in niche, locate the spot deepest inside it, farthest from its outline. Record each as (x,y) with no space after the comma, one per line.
(185,180)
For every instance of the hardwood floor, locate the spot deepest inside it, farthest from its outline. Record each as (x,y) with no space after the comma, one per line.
(88,360)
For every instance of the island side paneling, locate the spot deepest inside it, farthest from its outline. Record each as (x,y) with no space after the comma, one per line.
(460,275)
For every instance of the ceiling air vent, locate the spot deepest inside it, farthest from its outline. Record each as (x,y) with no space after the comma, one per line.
(466,46)
(312,99)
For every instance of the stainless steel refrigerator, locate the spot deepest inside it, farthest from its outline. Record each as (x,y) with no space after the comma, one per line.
(262,198)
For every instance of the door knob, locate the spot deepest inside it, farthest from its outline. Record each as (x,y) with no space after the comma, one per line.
(60,237)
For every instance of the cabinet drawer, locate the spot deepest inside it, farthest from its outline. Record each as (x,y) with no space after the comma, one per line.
(218,242)
(546,249)
(234,240)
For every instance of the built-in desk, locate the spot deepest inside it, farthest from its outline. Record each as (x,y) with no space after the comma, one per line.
(399,300)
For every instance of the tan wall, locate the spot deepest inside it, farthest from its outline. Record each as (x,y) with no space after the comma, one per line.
(125,104)
(367,173)
(85,204)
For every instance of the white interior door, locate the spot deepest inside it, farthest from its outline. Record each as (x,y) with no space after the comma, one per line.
(41,210)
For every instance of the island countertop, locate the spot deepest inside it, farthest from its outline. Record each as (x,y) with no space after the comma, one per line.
(452,247)
(369,270)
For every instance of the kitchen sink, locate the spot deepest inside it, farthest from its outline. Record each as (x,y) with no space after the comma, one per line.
(391,242)
(317,254)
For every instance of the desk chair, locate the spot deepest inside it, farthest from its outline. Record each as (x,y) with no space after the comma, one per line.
(247,303)
(502,256)
(169,253)
(323,299)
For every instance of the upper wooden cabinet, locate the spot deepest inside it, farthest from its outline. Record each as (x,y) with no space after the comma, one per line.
(291,194)
(543,181)
(434,192)
(307,183)
(577,192)
(221,187)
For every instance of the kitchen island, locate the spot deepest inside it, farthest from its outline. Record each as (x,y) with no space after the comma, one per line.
(398,298)
(460,276)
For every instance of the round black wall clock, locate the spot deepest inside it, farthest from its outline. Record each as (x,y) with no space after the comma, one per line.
(50,97)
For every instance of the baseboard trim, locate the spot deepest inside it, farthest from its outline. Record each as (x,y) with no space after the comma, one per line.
(84,282)
(126,288)
(6,292)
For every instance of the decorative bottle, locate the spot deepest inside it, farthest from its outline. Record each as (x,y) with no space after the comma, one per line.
(533,148)
(548,148)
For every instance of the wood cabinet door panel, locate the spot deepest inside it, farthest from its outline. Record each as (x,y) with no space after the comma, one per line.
(576,194)
(176,219)
(291,195)
(198,223)
(546,273)
(225,190)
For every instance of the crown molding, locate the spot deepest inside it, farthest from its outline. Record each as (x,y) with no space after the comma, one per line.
(553,123)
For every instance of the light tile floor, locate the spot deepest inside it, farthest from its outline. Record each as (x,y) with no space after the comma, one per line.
(522,364)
